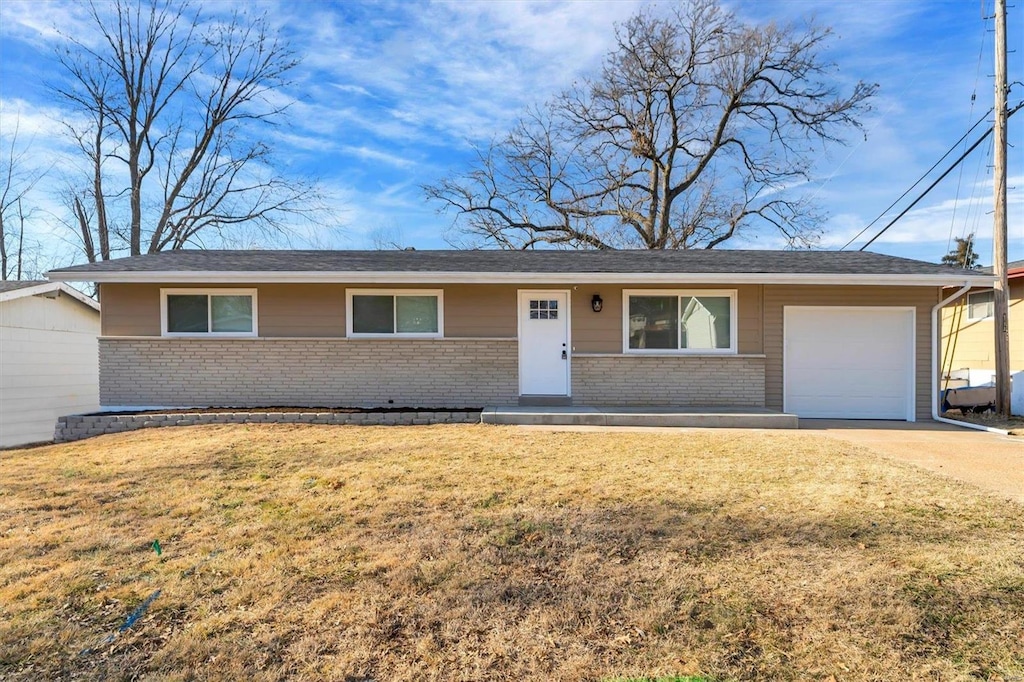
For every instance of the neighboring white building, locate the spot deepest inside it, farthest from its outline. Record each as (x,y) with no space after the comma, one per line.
(49,359)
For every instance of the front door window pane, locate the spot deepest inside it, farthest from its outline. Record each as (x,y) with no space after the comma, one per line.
(544,310)
(373,314)
(416,314)
(654,322)
(187,313)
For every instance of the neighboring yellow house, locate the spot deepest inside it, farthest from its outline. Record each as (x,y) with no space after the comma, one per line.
(968,337)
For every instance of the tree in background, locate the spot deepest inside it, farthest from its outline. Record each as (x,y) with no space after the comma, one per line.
(690,135)
(963,254)
(172,114)
(15,183)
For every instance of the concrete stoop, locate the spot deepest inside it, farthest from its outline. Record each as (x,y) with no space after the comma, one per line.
(713,417)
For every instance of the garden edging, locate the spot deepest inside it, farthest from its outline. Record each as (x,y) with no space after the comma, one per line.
(78,427)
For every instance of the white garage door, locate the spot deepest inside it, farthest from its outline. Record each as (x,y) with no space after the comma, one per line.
(849,363)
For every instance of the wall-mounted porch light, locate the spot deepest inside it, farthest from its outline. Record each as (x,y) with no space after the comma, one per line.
(596,303)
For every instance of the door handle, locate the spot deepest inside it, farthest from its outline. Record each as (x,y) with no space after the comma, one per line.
(564,356)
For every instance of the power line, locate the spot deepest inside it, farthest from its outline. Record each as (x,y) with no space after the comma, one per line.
(949,170)
(918,181)
(960,175)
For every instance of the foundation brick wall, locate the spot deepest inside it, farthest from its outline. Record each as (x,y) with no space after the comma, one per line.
(190,372)
(678,381)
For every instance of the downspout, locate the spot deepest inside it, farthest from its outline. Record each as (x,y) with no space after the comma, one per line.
(935,365)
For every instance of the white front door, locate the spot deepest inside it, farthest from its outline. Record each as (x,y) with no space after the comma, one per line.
(544,343)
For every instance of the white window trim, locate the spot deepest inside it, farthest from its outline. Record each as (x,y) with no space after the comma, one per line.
(978,293)
(439,293)
(164,293)
(733,322)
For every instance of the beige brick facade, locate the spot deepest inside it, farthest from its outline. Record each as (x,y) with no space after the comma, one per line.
(680,381)
(311,372)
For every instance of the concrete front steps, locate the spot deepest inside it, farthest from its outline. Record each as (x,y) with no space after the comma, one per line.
(696,417)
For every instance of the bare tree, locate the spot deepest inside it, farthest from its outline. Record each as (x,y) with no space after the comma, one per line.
(692,133)
(16,182)
(388,236)
(175,106)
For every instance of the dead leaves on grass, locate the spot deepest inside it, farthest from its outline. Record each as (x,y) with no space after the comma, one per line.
(490,553)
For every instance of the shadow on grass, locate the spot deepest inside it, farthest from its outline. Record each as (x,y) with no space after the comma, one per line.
(387,574)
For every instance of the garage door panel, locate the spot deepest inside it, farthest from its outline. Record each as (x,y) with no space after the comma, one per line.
(887,359)
(847,407)
(845,378)
(849,363)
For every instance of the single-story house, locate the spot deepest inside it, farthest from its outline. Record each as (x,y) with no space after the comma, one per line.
(48,358)
(968,335)
(815,333)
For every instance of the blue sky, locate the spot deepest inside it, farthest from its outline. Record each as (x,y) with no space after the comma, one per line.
(393,95)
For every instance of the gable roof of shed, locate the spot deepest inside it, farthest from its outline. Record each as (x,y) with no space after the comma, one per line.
(15,284)
(12,289)
(514,266)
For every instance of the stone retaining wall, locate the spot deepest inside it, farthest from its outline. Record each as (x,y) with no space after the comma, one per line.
(77,427)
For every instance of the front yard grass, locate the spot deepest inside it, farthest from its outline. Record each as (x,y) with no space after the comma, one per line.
(493,553)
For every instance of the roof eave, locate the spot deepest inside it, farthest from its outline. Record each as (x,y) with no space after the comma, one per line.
(48,287)
(404,277)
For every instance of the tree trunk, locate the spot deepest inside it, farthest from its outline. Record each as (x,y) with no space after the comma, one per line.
(3,249)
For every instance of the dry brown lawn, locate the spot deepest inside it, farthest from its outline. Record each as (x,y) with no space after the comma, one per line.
(491,553)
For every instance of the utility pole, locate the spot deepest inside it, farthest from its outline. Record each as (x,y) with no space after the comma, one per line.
(1001,303)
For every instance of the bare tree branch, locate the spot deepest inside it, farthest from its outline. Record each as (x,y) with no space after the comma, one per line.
(16,182)
(176,106)
(689,136)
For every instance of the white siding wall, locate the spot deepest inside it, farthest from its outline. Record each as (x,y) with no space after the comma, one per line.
(49,365)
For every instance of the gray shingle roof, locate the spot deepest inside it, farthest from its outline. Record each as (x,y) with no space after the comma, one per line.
(540,262)
(1012,265)
(14,285)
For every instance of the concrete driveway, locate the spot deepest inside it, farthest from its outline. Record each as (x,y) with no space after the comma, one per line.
(987,460)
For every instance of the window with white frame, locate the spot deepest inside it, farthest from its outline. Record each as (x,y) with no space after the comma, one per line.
(679,321)
(404,312)
(981,305)
(208,312)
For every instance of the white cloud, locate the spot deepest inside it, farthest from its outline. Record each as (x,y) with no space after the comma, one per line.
(32,121)
(458,70)
(23,19)
(938,221)
(367,154)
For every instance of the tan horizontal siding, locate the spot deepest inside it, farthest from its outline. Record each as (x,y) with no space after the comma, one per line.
(480,311)
(776,297)
(471,311)
(313,310)
(301,310)
(596,332)
(130,309)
